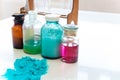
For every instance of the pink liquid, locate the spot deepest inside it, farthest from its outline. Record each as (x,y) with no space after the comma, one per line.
(69,52)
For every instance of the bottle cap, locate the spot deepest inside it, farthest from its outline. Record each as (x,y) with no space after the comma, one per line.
(70,30)
(19,18)
(52,17)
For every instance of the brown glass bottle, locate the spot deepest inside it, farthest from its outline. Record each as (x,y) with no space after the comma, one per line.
(17,34)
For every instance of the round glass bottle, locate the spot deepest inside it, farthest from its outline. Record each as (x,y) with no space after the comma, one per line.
(51,37)
(31,37)
(69,45)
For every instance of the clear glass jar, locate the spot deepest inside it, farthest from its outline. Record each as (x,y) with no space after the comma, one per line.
(31,35)
(69,46)
(51,37)
(62,7)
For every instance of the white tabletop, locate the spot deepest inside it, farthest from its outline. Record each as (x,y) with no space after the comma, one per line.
(99,51)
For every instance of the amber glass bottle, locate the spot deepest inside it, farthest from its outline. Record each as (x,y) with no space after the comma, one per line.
(17,34)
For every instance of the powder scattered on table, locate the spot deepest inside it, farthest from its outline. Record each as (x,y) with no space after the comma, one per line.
(27,68)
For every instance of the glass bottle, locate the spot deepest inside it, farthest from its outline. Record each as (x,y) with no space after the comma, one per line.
(69,45)
(62,7)
(51,37)
(31,35)
(17,34)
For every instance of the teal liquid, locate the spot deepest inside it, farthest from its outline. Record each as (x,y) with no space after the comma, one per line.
(50,48)
(51,35)
(32,46)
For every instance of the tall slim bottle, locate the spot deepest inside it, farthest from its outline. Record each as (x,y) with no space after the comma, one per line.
(31,34)
(17,35)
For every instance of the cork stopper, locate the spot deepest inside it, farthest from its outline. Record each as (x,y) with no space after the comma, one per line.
(70,30)
(18,18)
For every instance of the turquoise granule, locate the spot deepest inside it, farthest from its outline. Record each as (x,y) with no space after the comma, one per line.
(27,68)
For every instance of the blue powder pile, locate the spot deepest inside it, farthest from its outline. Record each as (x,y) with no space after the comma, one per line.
(27,68)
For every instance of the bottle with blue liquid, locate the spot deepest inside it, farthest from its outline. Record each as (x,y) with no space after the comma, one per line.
(51,37)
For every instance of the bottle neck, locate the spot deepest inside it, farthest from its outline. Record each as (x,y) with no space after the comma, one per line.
(70,32)
(52,22)
(18,22)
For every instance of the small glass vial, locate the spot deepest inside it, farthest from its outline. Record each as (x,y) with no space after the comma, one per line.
(69,45)
(17,33)
(31,35)
(51,37)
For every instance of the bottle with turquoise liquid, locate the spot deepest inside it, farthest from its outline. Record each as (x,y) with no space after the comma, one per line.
(51,37)
(31,34)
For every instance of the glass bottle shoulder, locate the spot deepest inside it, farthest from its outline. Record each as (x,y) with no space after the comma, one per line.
(52,25)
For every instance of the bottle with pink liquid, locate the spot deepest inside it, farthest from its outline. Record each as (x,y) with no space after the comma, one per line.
(69,46)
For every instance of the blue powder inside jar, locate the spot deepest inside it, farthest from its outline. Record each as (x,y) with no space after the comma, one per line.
(27,68)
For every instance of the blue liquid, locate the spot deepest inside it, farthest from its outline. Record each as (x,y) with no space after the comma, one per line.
(51,36)
(50,47)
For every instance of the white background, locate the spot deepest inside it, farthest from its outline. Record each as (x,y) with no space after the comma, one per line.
(8,7)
